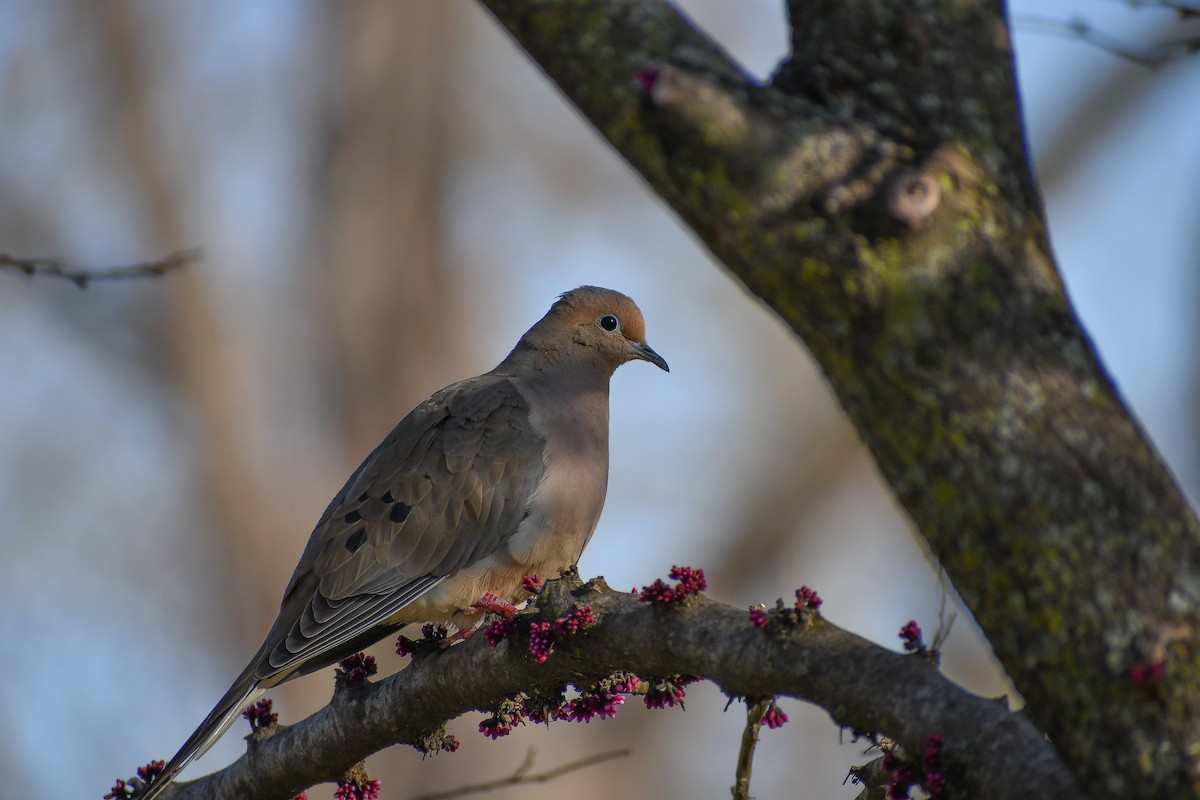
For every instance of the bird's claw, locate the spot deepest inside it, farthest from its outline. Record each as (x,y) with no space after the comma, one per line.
(491,604)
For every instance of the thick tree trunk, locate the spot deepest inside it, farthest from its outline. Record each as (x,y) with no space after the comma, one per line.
(878,196)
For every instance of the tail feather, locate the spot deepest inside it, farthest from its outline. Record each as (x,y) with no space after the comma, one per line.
(224,714)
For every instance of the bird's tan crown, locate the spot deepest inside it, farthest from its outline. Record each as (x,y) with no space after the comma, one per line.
(588,329)
(589,303)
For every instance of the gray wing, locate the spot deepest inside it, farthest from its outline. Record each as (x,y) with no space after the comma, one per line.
(446,488)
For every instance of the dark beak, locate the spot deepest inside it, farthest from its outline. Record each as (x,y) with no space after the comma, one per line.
(646,353)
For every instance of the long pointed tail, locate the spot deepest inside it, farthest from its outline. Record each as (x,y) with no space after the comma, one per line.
(226,712)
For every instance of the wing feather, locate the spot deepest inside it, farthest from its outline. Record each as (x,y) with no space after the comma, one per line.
(446,488)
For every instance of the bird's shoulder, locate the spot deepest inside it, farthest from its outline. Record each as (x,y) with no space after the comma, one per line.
(442,489)
(482,418)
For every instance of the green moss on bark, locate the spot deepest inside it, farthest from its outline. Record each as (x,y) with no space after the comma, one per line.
(946,337)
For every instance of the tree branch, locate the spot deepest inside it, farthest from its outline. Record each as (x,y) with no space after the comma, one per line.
(84,277)
(521,775)
(993,752)
(877,195)
(1151,56)
(745,762)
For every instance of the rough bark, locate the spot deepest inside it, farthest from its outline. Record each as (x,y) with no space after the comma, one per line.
(877,195)
(991,752)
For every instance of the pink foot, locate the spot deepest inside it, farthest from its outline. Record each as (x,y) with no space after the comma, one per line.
(491,604)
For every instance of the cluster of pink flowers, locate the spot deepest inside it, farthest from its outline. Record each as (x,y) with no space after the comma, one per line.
(804,611)
(357,790)
(601,704)
(531,583)
(934,781)
(668,692)
(807,599)
(358,667)
(904,776)
(437,742)
(774,718)
(542,635)
(122,789)
(500,724)
(260,714)
(599,700)
(910,634)
(688,582)
(663,696)
(499,630)
(541,641)
(151,770)
(627,684)
(542,714)
(577,620)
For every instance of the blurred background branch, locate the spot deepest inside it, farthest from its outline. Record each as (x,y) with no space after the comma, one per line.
(1163,50)
(84,276)
(522,776)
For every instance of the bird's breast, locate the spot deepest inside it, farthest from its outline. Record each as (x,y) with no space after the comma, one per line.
(562,513)
(558,517)
(561,516)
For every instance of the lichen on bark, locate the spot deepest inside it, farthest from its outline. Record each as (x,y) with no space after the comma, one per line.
(945,332)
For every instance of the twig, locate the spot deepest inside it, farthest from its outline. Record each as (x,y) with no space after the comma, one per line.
(944,624)
(519,777)
(754,715)
(1080,29)
(1184,9)
(82,277)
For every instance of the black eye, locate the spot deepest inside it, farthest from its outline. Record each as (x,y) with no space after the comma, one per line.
(609,323)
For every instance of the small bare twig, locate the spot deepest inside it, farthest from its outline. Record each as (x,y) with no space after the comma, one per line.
(1151,56)
(1185,10)
(745,762)
(83,277)
(519,775)
(942,633)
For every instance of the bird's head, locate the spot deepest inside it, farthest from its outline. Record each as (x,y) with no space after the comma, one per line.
(589,330)
(606,323)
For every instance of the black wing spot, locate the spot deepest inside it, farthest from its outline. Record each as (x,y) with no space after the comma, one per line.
(353,517)
(399,512)
(387,497)
(356,540)
(364,497)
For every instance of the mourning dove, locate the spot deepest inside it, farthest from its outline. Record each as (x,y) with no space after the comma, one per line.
(491,479)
